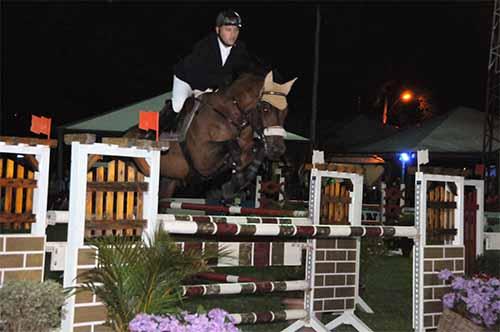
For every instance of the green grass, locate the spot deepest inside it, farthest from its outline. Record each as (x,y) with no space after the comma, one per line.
(388,292)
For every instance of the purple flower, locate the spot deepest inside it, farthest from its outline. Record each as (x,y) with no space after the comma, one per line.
(475,303)
(480,297)
(449,300)
(458,283)
(489,318)
(214,321)
(218,315)
(143,323)
(494,282)
(445,274)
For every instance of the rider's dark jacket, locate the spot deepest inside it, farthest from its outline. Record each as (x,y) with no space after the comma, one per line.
(202,68)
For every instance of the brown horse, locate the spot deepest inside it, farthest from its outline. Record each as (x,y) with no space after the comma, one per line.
(232,129)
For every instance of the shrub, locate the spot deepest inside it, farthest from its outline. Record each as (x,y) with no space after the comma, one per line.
(30,306)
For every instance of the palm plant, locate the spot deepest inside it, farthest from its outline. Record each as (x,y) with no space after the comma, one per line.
(134,277)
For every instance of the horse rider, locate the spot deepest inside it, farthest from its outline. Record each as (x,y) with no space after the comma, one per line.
(213,63)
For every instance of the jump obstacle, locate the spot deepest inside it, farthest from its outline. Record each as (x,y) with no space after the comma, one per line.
(107,203)
(234,209)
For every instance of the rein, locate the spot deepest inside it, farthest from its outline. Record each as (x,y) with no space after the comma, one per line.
(239,126)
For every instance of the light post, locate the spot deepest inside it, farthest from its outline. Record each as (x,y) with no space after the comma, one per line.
(404,157)
(405,97)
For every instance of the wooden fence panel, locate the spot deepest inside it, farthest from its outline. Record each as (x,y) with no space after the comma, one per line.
(17,186)
(441,207)
(335,202)
(117,188)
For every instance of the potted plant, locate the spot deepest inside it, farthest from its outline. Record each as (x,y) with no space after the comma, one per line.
(472,305)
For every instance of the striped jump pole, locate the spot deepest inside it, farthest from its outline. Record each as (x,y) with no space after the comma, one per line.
(268,316)
(286,231)
(245,288)
(223,277)
(234,209)
(235,219)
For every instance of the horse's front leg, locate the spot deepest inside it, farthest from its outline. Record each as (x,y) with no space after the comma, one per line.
(253,167)
(237,180)
(245,169)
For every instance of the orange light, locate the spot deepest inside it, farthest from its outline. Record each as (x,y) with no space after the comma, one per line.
(406,96)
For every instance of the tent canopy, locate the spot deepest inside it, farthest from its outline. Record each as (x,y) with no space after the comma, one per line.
(460,130)
(122,119)
(357,131)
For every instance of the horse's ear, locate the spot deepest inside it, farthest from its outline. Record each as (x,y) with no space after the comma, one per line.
(285,88)
(268,81)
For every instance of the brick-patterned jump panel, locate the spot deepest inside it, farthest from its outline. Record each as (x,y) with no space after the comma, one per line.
(437,258)
(89,310)
(22,257)
(335,277)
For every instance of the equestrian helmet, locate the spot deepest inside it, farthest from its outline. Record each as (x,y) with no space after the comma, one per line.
(228,17)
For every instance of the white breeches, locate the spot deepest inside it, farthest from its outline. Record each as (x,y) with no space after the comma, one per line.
(180,92)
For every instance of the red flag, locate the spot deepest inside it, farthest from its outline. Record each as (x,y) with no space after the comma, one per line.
(40,125)
(149,121)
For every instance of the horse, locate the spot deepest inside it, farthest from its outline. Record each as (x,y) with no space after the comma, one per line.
(232,130)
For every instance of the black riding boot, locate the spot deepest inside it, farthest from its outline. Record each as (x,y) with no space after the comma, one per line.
(168,118)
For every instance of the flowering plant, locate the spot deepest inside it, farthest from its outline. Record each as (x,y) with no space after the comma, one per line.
(478,298)
(216,320)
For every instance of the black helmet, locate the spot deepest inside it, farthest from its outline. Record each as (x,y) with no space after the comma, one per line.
(228,17)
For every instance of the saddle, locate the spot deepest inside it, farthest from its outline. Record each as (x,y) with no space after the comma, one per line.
(184,119)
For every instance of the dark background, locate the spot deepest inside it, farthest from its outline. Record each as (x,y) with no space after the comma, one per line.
(69,61)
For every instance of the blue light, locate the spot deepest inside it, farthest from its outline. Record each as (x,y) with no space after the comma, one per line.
(404,157)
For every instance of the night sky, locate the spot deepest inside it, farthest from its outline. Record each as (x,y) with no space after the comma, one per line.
(70,61)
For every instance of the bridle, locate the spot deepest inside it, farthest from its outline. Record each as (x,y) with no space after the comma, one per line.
(238,125)
(272,130)
(246,120)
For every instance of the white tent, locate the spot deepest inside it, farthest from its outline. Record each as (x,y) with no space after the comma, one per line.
(122,119)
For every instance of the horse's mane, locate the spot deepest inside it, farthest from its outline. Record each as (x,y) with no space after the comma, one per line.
(246,83)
